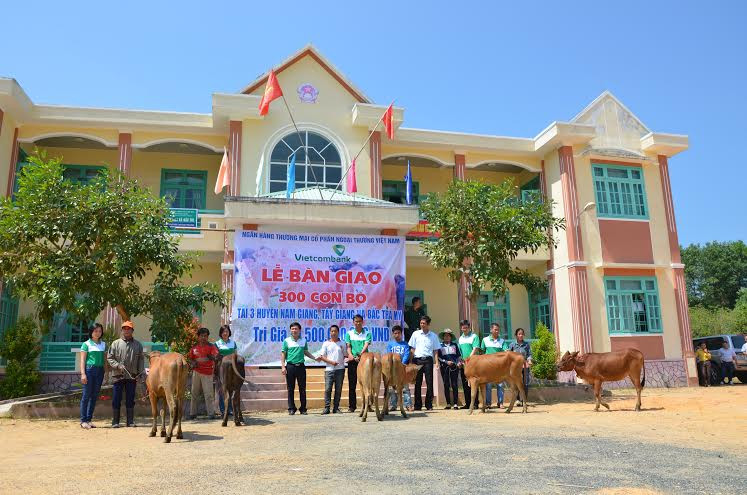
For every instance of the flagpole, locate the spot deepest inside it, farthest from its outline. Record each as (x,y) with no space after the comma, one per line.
(306,153)
(364,144)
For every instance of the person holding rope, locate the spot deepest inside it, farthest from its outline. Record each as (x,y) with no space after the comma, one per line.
(127,362)
(202,360)
(448,356)
(525,349)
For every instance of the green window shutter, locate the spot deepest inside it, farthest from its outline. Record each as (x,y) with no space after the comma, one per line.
(81,174)
(620,191)
(539,312)
(395,191)
(633,305)
(184,188)
(490,310)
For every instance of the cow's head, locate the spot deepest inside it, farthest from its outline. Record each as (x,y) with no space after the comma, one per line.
(567,361)
(411,370)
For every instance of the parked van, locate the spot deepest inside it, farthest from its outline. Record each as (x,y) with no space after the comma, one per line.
(736,342)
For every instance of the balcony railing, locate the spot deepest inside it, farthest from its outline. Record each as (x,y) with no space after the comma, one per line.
(61,356)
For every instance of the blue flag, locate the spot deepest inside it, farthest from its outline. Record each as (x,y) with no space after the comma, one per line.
(291,179)
(408,184)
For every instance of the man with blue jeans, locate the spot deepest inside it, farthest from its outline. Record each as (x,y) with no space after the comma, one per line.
(398,346)
(490,345)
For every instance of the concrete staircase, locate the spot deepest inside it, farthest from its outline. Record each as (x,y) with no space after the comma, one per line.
(267,391)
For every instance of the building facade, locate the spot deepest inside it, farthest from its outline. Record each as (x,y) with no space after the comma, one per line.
(615,279)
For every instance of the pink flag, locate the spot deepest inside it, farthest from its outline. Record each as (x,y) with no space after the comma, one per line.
(352,184)
(224,174)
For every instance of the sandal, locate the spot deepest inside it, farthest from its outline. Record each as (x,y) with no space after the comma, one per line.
(91,425)
(85,426)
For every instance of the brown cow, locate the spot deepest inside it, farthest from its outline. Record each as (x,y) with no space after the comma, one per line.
(598,367)
(167,379)
(482,369)
(369,379)
(231,372)
(397,376)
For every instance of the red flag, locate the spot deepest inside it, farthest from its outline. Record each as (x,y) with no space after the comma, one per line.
(387,119)
(224,173)
(352,184)
(272,91)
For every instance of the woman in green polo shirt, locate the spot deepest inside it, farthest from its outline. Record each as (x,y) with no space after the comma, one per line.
(226,347)
(91,373)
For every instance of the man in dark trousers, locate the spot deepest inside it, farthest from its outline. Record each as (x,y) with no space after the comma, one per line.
(412,317)
(424,346)
(126,360)
(293,367)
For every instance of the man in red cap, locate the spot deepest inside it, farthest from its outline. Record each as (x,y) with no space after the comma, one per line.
(127,363)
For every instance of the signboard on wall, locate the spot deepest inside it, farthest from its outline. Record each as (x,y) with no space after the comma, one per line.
(183,217)
(317,280)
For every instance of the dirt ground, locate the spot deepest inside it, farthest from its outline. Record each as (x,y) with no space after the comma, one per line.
(684,441)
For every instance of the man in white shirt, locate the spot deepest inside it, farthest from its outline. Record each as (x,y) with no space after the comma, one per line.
(424,346)
(333,355)
(727,362)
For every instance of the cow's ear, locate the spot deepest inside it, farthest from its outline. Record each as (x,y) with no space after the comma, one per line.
(566,355)
(574,354)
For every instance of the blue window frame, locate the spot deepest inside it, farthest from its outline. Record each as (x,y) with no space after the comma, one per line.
(539,312)
(492,310)
(530,190)
(620,191)
(8,310)
(633,305)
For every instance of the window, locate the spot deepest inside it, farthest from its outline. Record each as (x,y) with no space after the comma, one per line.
(81,174)
(620,192)
(395,191)
(539,312)
(530,190)
(65,330)
(409,294)
(184,188)
(490,310)
(318,162)
(632,305)
(8,309)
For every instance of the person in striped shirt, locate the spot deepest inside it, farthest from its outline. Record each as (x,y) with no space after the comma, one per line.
(91,373)
(491,344)
(469,345)
(226,347)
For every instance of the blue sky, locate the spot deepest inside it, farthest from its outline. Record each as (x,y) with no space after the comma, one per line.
(679,66)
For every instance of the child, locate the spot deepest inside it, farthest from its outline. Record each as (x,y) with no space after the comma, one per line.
(398,346)
(448,357)
(202,357)
(333,354)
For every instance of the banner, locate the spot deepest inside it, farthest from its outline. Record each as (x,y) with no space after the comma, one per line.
(317,280)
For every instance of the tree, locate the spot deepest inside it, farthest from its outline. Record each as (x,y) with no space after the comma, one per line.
(544,354)
(715,272)
(20,347)
(481,229)
(79,247)
(740,312)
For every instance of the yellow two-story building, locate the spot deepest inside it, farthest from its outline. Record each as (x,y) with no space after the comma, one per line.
(615,279)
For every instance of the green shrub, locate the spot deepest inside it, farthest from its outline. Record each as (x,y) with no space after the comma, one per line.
(20,348)
(544,354)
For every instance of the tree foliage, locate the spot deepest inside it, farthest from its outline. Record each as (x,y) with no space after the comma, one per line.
(544,354)
(481,229)
(20,347)
(77,248)
(715,272)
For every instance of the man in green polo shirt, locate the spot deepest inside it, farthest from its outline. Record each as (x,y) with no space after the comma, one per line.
(293,367)
(490,345)
(357,341)
(469,345)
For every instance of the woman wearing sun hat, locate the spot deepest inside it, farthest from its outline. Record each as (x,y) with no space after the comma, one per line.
(448,357)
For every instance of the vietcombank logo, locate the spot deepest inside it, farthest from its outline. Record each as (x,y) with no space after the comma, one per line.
(338,249)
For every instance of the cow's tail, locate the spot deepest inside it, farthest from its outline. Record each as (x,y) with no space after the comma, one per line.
(643,380)
(371,369)
(236,370)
